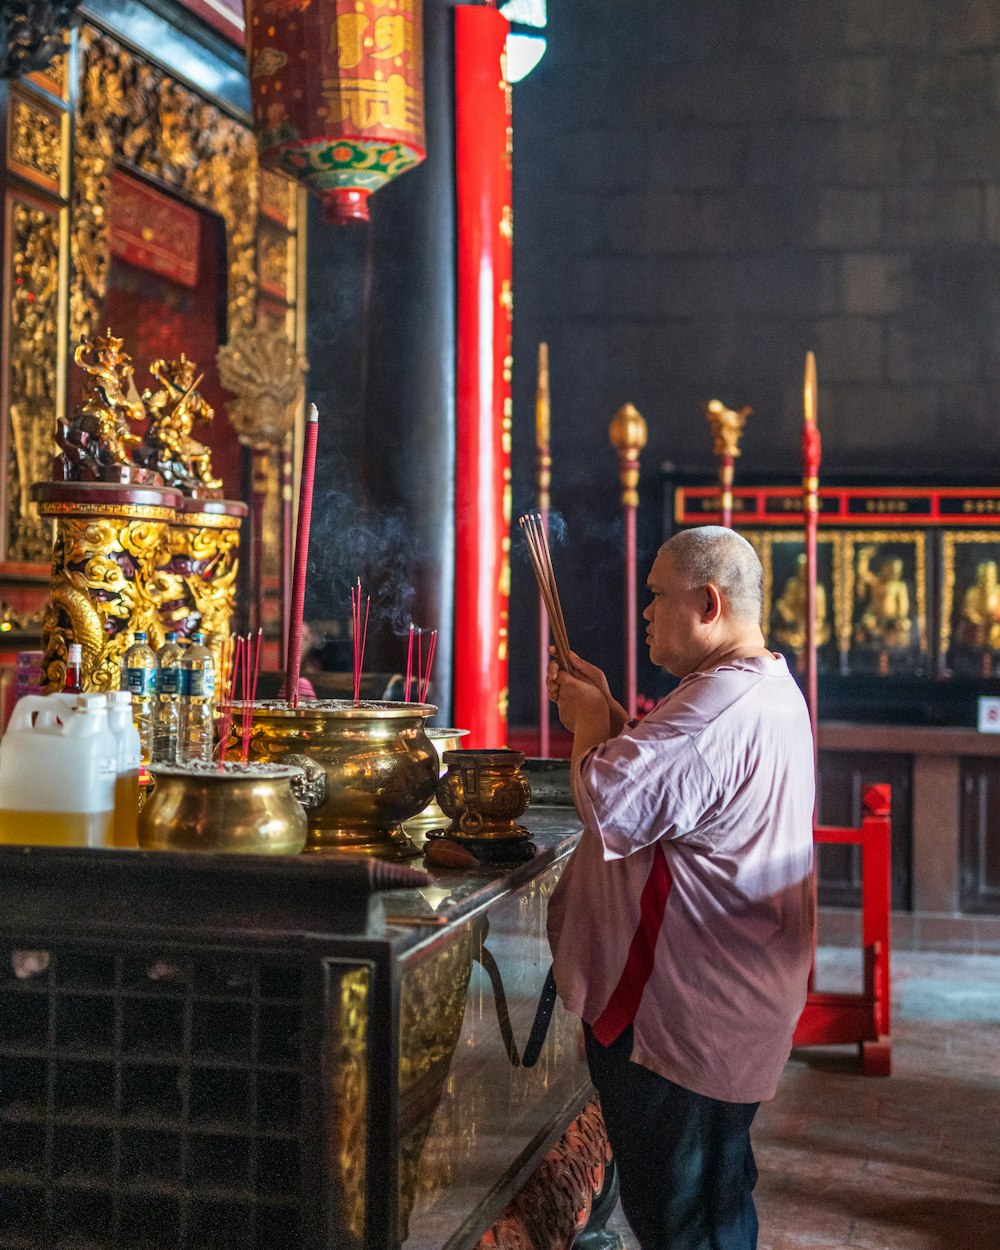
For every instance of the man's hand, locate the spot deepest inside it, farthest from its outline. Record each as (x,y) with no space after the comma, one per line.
(594,677)
(583,709)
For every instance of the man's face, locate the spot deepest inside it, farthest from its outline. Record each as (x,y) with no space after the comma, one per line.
(675,630)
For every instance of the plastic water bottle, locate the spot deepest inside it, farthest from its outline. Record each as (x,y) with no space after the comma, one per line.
(139,679)
(169,691)
(197,701)
(58,766)
(127,780)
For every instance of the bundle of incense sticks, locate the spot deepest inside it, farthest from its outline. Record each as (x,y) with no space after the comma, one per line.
(240,660)
(423,668)
(541,561)
(360,635)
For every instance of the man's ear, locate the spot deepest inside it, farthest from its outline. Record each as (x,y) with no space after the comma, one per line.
(713,605)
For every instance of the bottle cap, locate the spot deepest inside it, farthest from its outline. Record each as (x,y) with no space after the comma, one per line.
(75,653)
(198,637)
(171,635)
(139,635)
(90,702)
(120,697)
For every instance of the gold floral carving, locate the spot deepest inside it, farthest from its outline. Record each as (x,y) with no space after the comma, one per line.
(349,1079)
(34,360)
(53,77)
(277,198)
(275,263)
(101,569)
(265,373)
(35,141)
(132,113)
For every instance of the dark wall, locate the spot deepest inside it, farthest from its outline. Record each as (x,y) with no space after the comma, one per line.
(704,191)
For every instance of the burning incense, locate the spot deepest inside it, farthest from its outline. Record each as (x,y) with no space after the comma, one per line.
(360,635)
(541,563)
(409,667)
(293,650)
(246,723)
(230,653)
(425,681)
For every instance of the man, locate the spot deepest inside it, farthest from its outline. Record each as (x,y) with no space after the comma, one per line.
(681,929)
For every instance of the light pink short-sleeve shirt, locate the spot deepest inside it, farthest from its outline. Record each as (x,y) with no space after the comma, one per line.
(686,907)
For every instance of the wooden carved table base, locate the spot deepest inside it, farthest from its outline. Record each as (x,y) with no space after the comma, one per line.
(570,1197)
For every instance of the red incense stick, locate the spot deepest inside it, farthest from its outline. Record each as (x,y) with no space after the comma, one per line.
(293,651)
(426,680)
(409,666)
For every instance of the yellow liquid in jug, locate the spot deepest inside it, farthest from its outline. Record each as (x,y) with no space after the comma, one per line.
(56,828)
(126,809)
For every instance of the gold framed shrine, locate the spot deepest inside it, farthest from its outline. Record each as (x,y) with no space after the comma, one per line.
(101,111)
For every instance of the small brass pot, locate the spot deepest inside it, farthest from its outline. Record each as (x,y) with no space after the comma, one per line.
(232,807)
(483,793)
(370,766)
(432,816)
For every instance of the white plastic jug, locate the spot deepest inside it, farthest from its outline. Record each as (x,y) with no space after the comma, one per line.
(129,759)
(58,763)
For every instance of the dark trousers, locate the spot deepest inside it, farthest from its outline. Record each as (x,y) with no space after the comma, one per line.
(684,1161)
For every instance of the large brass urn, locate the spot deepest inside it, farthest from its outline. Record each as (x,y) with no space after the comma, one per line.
(371,766)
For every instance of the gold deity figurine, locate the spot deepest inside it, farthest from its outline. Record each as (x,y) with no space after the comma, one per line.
(979,616)
(168,446)
(97,441)
(727,427)
(884,620)
(789,627)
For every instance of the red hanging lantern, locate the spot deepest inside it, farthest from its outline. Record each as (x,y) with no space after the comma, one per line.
(338,95)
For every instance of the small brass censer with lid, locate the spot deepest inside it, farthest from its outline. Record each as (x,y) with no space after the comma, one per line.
(483,793)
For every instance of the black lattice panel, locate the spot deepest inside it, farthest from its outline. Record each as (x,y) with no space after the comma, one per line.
(149,1101)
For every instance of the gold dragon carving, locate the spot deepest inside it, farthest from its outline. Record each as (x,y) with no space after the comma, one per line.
(102,568)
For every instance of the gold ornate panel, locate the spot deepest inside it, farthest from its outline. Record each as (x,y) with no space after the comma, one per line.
(970,600)
(36,140)
(781,555)
(888,566)
(38,235)
(132,113)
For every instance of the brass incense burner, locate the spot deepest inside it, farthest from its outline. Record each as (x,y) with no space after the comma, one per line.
(432,815)
(483,793)
(229,807)
(370,766)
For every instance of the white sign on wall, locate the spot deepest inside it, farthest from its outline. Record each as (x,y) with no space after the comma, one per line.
(989,714)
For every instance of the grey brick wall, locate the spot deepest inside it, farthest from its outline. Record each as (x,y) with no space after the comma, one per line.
(704,189)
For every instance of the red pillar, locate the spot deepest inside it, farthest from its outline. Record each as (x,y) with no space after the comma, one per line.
(483,374)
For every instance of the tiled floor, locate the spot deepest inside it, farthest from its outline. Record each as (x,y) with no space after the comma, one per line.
(911,1162)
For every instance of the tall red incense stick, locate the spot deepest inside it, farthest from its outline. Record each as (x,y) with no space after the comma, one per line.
(293,651)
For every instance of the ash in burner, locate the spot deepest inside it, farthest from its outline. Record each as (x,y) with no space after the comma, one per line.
(235,769)
(342,705)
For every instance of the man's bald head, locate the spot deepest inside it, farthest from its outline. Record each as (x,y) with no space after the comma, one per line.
(720,556)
